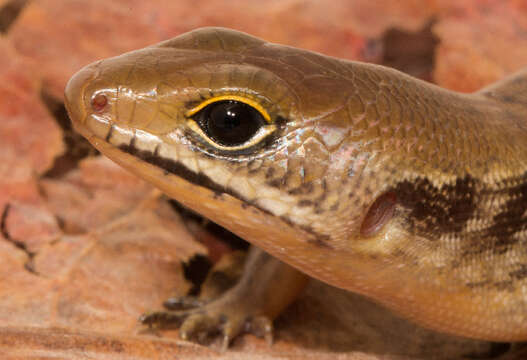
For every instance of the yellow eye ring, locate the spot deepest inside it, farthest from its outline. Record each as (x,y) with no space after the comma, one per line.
(242,99)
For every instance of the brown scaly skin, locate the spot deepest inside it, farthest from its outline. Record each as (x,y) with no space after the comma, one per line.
(452,255)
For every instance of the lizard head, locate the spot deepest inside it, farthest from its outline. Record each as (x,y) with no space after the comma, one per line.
(287,148)
(274,143)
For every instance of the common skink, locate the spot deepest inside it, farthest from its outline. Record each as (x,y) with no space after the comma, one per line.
(355,174)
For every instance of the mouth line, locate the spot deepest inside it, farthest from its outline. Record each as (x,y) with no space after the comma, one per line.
(169,165)
(175,167)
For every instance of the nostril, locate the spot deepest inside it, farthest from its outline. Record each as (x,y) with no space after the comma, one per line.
(99,102)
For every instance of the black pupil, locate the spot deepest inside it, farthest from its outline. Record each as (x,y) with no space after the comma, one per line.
(230,122)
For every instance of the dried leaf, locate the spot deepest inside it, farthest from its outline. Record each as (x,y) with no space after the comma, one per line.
(35,344)
(98,193)
(31,225)
(30,141)
(480,42)
(29,136)
(24,296)
(108,273)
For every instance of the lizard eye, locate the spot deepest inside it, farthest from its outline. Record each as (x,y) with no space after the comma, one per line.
(230,122)
(379,213)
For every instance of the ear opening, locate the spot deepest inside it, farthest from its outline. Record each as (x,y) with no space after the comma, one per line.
(379,214)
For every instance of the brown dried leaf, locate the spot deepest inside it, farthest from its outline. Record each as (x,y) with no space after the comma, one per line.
(481,42)
(30,140)
(24,217)
(104,280)
(98,193)
(33,343)
(20,191)
(373,18)
(29,136)
(108,273)
(31,225)
(23,295)
(29,343)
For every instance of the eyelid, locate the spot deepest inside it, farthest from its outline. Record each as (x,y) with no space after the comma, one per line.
(242,99)
(263,132)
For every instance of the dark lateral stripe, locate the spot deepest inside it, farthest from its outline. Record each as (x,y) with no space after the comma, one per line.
(176,168)
(433,211)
